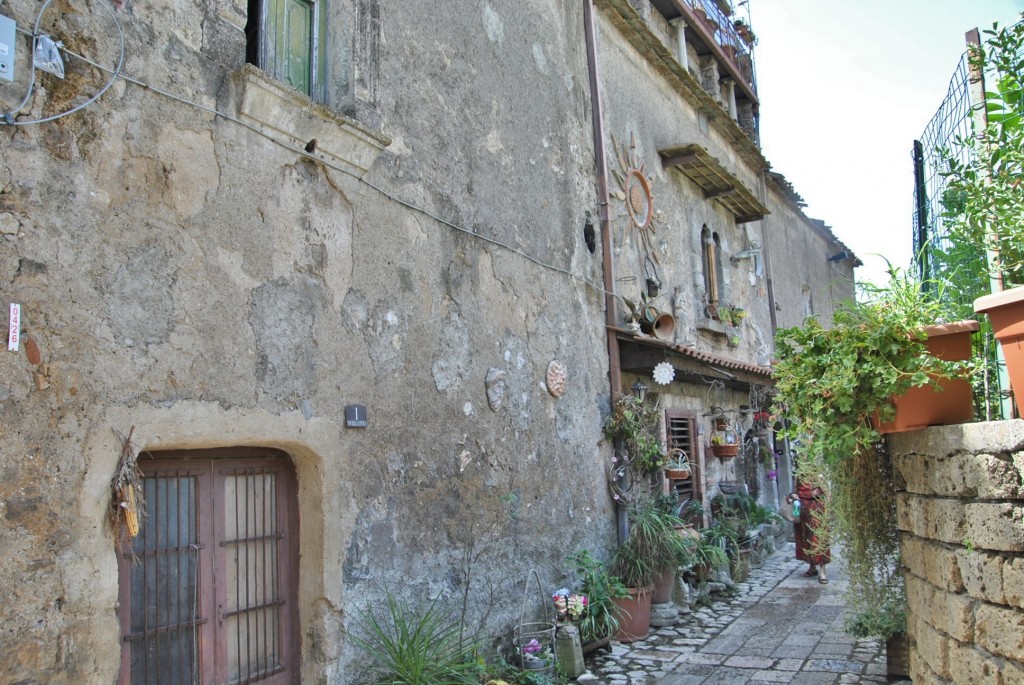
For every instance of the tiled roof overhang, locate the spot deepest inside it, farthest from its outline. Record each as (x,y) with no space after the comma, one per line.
(640,353)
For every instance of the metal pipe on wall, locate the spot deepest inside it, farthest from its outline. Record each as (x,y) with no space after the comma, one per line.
(601,163)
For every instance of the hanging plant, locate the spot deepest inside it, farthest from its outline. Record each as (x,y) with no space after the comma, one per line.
(634,423)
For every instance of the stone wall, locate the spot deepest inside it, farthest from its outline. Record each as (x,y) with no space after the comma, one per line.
(962,523)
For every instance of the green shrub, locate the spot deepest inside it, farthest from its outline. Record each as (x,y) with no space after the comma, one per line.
(416,647)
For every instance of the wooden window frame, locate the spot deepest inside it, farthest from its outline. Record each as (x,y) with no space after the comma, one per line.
(711,261)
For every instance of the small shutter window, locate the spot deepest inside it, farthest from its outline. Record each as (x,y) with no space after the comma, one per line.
(285,39)
(681,433)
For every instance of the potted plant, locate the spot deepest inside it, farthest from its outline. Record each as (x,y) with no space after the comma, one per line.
(725,442)
(889,622)
(677,466)
(834,386)
(632,424)
(599,622)
(708,553)
(744,31)
(837,384)
(982,250)
(652,547)
(731,315)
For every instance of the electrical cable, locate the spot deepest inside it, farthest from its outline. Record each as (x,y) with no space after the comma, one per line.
(303,153)
(8,117)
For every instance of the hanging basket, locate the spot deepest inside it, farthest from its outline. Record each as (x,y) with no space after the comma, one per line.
(676,474)
(678,465)
(534,642)
(725,451)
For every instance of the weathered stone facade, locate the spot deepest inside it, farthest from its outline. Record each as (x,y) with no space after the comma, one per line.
(962,523)
(214,260)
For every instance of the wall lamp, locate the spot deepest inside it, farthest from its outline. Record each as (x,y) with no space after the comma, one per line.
(754,254)
(639,391)
(839,256)
(746,254)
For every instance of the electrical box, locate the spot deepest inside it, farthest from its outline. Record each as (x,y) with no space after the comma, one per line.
(7,48)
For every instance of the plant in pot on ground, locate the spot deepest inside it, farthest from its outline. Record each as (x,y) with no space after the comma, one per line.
(652,546)
(709,553)
(833,384)
(599,621)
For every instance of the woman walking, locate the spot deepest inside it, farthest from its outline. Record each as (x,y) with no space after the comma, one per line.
(808,546)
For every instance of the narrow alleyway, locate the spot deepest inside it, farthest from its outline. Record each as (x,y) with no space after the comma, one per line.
(777,627)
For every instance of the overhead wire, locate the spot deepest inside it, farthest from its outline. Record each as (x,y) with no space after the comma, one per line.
(8,117)
(118,73)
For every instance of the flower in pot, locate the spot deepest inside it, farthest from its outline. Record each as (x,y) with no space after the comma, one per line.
(535,656)
(725,441)
(731,315)
(569,606)
(599,622)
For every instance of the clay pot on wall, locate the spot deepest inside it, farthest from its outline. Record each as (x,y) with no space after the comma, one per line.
(1006,313)
(658,324)
(949,403)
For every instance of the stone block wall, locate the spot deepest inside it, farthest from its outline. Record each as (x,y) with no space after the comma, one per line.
(961,518)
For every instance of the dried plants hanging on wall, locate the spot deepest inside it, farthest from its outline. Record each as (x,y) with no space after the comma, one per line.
(127,504)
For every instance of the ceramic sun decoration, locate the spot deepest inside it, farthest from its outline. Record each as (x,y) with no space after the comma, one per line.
(664,373)
(635,191)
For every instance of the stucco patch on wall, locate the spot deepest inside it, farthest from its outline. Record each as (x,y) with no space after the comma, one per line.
(282,315)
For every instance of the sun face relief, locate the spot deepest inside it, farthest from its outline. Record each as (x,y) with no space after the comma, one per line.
(635,187)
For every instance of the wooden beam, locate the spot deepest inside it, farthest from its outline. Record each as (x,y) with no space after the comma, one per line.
(679,160)
(719,192)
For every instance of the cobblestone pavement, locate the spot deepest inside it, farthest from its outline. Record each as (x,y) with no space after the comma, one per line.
(777,627)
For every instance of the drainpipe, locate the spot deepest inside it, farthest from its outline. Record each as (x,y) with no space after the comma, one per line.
(600,159)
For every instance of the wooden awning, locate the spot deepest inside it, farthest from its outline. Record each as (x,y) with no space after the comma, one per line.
(716,182)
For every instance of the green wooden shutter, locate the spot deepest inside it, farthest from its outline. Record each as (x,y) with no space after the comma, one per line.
(289,42)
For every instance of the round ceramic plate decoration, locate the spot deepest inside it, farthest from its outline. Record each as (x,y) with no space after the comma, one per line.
(556,378)
(664,373)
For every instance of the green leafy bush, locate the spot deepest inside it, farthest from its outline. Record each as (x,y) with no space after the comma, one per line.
(411,647)
(600,587)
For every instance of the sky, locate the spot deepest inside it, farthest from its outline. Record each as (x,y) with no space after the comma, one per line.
(845,87)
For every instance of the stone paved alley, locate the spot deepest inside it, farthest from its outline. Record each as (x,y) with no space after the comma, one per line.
(777,627)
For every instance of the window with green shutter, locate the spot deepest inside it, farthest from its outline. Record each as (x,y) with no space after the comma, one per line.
(285,38)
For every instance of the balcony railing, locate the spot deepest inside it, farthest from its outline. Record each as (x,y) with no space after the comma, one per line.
(720,28)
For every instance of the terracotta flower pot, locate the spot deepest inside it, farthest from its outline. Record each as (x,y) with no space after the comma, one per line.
(897,656)
(1006,312)
(634,614)
(950,402)
(663,586)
